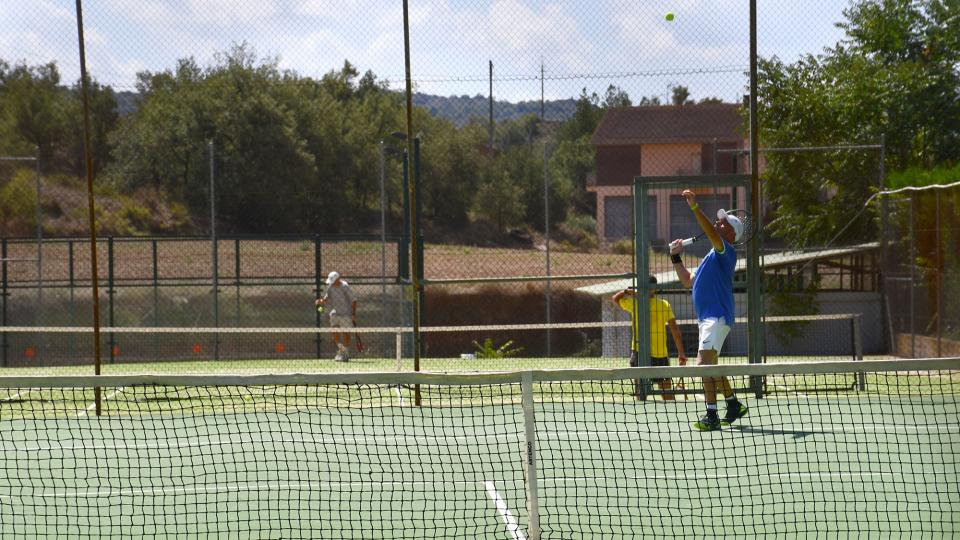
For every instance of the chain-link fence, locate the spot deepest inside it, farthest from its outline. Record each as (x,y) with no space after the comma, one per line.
(286,120)
(921,271)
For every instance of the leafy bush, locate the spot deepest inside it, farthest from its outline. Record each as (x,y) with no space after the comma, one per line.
(488,350)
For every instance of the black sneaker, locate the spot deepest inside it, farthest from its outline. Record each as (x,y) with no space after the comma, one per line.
(734,410)
(709,422)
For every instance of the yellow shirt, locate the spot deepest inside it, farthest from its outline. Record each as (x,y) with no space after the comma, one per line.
(660,313)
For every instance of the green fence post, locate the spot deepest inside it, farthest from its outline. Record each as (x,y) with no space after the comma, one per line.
(236,262)
(70,282)
(110,294)
(3,295)
(641,294)
(404,246)
(419,255)
(318,279)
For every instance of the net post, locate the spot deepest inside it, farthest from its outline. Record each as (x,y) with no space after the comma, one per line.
(855,326)
(530,456)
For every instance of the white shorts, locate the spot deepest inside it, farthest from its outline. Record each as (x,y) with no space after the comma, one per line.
(713,332)
(342,321)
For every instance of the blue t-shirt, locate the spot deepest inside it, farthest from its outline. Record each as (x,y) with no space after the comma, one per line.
(713,284)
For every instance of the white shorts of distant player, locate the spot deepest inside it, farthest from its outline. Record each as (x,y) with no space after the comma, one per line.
(713,332)
(340,321)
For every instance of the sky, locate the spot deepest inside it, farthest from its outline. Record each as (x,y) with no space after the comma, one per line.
(579,44)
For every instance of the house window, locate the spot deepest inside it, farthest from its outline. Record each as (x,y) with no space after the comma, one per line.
(618,214)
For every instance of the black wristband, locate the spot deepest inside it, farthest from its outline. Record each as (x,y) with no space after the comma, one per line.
(676,258)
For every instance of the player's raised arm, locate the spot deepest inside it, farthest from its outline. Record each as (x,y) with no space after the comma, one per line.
(703,221)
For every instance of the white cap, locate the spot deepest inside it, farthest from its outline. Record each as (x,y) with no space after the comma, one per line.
(332,278)
(734,222)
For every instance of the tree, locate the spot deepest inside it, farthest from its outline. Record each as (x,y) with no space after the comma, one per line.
(893,76)
(680,95)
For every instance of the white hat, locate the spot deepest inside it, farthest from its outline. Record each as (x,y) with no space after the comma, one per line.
(332,278)
(734,222)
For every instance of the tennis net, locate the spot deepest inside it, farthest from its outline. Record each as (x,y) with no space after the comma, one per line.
(528,454)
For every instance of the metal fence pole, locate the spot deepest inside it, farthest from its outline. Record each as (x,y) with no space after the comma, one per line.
(70,282)
(156,291)
(939,282)
(39,310)
(213,257)
(3,295)
(110,295)
(546,237)
(236,265)
(317,245)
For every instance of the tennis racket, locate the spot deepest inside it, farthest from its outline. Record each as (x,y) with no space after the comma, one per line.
(358,341)
(748,228)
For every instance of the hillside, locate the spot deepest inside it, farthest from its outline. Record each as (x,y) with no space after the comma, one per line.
(457,109)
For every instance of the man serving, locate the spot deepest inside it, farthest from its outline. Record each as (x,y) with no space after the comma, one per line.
(713,303)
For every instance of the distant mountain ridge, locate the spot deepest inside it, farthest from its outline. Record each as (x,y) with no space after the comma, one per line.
(460,109)
(457,109)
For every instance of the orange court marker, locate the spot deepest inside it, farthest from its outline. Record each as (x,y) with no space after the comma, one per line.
(29,352)
(116,350)
(197,349)
(279,347)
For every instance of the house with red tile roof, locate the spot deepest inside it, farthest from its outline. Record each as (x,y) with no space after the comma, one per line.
(674,140)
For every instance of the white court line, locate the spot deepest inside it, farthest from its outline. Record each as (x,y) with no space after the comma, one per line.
(505,514)
(19,394)
(94,404)
(399,394)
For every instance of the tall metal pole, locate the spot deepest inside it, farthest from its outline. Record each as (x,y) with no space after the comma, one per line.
(415,237)
(383,223)
(754,305)
(490,79)
(542,97)
(546,237)
(39,243)
(39,310)
(88,159)
(888,342)
(213,256)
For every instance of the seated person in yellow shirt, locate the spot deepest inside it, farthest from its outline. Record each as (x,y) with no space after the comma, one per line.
(661,316)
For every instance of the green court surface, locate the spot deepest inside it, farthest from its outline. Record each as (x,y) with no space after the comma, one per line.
(285,463)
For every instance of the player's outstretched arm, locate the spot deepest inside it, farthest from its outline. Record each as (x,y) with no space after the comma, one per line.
(705,224)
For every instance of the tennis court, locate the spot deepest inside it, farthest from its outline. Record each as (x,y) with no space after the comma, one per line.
(351,456)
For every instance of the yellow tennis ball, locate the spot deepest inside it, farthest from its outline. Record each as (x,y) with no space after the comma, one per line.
(668,16)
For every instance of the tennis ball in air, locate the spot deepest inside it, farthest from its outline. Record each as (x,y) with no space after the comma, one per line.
(668,16)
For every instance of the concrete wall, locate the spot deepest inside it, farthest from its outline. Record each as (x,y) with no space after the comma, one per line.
(826,339)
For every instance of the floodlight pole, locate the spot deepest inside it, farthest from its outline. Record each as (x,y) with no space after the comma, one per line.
(414,234)
(88,159)
(754,279)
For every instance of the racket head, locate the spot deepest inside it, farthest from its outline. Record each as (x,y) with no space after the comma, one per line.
(749,228)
